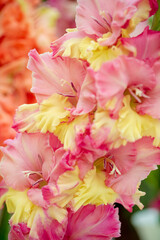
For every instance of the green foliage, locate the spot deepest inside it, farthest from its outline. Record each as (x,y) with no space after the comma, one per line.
(4,225)
(156,20)
(151,185)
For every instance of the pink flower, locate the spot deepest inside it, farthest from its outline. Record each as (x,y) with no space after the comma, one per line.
(142,46)
(19,232)
(57,45)
(30,164)
(57,75)
(51,230)
(86,152)
(99,18)
(91,222)
(144,49)
(64,76)
(118,76)
(127,166)
(150,104)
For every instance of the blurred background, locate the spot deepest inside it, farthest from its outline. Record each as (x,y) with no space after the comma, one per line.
(28,24)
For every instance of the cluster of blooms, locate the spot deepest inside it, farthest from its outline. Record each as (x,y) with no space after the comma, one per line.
(94,133)
(22,27)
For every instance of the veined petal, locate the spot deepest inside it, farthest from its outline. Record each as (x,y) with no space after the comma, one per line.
(87,99)
(62,163)
(94,191)
(98,18)
(116,76)
(91,222)
(87,152)
(134,162)
(21,165)
(151,104)
(145,46)
(55,75)
(52,230)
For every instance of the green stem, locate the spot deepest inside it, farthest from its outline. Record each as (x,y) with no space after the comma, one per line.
(156,19)
(4,225)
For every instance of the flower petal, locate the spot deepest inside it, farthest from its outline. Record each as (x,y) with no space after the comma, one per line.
(62,192)
(20,161)
(52,112)
(91,222)
(93,191)
(66,132)
(55,75)
(87,98)
(116,76)
(105,130)
(145,46)
(150,105)
(134,161)
(98,18)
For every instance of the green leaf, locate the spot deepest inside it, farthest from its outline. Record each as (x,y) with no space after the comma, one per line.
(4,225)
(156,19)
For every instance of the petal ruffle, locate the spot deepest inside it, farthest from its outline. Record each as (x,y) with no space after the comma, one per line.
(91,222)
(55,75)
(22,165)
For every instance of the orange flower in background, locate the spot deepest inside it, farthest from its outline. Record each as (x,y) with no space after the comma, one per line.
(24,25)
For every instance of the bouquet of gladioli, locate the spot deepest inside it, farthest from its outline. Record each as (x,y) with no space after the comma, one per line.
(94,133)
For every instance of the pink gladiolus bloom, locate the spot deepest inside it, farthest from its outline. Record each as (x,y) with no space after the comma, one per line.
(86,152)
(29,169)
(94,133)
(150,105)
(52,230)
(59,75)
(101,17)
(119,75)
(144,49)
(34,167)
(89,222)
(64,76)
(134,162)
